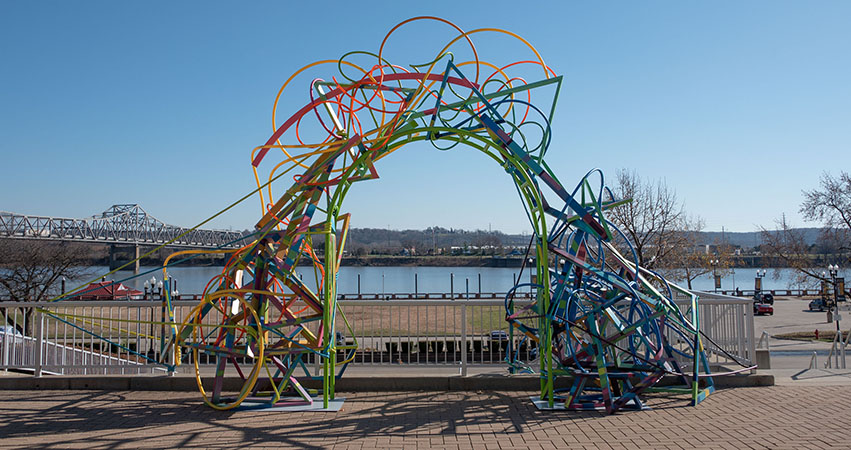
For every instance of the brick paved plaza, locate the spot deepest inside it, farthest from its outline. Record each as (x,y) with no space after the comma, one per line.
(770,417)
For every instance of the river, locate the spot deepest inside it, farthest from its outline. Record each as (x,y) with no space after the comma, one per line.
(191,280)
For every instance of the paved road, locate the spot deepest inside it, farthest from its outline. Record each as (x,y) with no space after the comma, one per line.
(791,315)
(779,417)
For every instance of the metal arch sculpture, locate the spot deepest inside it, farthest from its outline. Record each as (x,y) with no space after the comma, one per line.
(598,316)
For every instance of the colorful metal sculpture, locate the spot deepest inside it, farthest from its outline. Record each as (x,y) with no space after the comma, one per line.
(599,318)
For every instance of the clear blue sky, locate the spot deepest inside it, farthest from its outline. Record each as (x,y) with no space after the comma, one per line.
(737,105)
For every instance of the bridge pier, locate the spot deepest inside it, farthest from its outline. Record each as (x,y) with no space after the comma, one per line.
(118,258)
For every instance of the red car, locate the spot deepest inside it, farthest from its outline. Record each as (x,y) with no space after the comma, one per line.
(763,308)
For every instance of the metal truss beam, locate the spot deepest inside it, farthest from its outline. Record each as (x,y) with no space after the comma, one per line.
(126,224)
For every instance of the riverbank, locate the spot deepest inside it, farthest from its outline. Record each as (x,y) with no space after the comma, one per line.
(350,261)
(513,261)
(432,261)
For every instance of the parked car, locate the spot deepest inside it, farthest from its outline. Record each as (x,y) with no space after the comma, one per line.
(9,333)
(764,297)
(8,329)
(763,308)
(498,340)
(818,305)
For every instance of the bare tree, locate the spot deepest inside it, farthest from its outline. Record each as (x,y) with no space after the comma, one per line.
(31,270)
(830,205)
(786,246)
(687,262)
(654,221)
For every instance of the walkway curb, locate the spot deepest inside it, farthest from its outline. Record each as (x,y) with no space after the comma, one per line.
(346,384)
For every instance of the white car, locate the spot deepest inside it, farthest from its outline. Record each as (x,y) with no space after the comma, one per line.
(8,329)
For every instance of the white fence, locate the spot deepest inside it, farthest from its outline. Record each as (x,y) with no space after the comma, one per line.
(728,322)
(412,332)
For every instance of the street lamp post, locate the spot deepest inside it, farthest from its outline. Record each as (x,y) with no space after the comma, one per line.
(833,270)
(757,282)
(825,296)
(149,295)
(532,279)
(716,282)
(733,272)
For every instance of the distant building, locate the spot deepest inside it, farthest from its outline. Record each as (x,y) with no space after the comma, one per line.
(108,290)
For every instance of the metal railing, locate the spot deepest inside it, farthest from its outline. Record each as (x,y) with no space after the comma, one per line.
(430,331)
(728,326)
(72,342)
(837,351)
(108,337)
(779,292)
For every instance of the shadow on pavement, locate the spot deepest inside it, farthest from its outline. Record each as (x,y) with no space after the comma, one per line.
(62,419)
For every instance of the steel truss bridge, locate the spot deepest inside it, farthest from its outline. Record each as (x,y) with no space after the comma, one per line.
(120,224)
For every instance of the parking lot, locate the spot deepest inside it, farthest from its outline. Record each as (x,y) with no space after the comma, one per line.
(791,315)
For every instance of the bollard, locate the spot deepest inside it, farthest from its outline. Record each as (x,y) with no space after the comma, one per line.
(464,332)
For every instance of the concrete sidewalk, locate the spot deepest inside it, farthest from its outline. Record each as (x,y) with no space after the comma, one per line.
(779,417)
(811,377)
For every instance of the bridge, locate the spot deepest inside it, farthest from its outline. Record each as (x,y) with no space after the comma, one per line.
(120,225)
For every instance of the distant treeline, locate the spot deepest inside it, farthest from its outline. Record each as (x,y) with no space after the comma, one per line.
(433,241)
(750,239)
(438,241)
